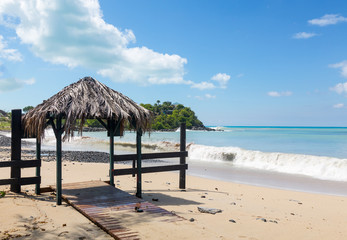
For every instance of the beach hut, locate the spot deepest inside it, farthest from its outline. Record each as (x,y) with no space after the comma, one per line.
(88,98)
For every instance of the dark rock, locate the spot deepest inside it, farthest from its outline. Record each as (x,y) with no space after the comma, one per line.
(155,199)
(232,220)
(191,220)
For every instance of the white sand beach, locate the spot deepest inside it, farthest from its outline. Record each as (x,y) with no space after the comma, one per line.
(248,212)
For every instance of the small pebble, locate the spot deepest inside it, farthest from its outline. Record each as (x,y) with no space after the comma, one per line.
(203,196)
(155,199)
(64,225)
(233,203)
(262,219)
(191,220)
(232,220)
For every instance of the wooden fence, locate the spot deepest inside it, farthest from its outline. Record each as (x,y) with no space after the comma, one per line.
(139,157)
(16,163)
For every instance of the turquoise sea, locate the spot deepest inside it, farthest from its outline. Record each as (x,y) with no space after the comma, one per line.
(319,141)
(300,158)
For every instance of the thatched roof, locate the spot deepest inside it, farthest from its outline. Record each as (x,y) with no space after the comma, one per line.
(86,99)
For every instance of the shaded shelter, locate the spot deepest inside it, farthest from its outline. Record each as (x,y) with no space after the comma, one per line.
(88,98)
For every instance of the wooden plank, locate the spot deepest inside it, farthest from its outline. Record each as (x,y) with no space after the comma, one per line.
(21,181)
(21,164)
(7,181)
(30,180)
(46,189)
(16,144)
(126,171)
(89,199)
(146,156)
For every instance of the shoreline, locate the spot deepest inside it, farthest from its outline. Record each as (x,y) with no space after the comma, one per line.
(222,171)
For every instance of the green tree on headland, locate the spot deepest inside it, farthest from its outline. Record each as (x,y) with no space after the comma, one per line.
(27,109)
(169,116)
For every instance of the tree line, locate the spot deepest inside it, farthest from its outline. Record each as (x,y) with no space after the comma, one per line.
(167,116)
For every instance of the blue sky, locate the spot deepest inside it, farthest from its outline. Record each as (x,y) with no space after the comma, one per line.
(233,62)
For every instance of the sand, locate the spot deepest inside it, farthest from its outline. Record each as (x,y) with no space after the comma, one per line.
(248,212)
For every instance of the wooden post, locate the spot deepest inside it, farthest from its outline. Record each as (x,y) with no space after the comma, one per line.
(59,165)
(182,182)
(38,168)
(111,126)
(139,171)
(16,144)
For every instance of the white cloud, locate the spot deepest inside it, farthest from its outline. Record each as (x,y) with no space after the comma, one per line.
(74,33)
(339,105)
(11,84)
(203,85)
(280,94)
(8,53)
(340,88)
(209,96)
(222,79)
(328,19)
(205,97)
(304,35)
(343,67)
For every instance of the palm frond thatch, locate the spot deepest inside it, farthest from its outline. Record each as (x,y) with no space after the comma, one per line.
(86,99)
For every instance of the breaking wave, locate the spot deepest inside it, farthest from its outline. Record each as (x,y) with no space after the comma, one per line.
(326,168)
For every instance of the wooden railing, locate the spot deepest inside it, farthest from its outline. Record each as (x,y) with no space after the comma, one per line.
(137,169)
(16,163)
(150,156)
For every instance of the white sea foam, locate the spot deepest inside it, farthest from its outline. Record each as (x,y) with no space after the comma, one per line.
(326,168)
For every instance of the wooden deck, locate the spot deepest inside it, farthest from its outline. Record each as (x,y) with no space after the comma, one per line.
(112,209)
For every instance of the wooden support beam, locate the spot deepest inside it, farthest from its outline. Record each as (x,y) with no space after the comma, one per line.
(58,134)
(111,127)
(16,144)
(147,156)
(138,163)
(103,123)
(127,171)
(38,168)
(182,180)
